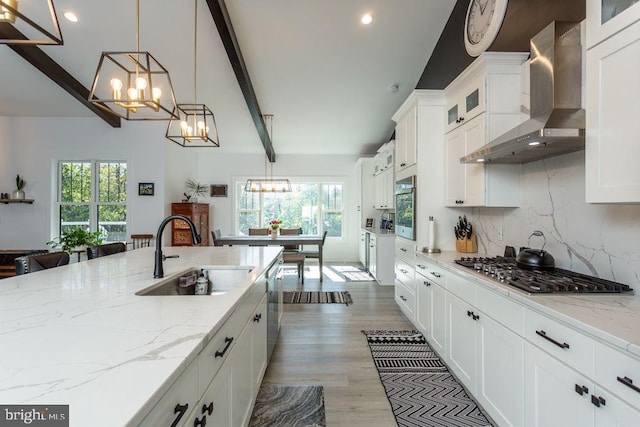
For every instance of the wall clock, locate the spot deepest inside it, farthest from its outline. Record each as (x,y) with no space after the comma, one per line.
(484,18)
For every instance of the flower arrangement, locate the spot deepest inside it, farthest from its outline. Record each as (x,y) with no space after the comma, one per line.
(274,224)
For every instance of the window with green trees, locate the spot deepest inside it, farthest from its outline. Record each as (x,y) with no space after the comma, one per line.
(93,194)
(314,207)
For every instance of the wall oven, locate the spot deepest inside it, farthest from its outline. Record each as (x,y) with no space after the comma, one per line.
(406,208)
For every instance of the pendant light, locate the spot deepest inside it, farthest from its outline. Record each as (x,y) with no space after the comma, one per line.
(196,125)
(133,85)
(18,28)
(268,185)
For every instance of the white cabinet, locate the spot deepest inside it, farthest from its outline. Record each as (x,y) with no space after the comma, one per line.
(217,404)
(362,248)
(381,251)
(611,147)
(407,139)
(365,186)
(607,17)
(373,255)
(384,197)
(461,340)
(431,313)
(405,288)
(484,103)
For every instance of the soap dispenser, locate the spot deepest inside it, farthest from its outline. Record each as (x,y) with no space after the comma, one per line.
(202,284)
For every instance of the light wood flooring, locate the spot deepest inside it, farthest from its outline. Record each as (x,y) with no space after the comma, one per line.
(323,344)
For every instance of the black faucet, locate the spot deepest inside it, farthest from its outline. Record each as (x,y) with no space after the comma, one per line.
(158,271)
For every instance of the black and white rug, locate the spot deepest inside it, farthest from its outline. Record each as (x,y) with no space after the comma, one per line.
(317,297)
(289,406)
(418,384)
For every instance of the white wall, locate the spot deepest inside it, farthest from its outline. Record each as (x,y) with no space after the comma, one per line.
(30,147)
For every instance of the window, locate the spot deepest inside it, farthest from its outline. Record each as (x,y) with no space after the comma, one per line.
(315,207)
(93,194)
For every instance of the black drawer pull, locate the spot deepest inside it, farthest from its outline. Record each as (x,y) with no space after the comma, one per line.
(421,266)
(433,273)
(475,316)
(180,410)
(403,249)
(629,383)
(257,317)
(426,283)
(403,298)
(404,271)
(207,408)
(598,401)
(200,423)
(469,313)
(581,389)
(543,334)
(226,347)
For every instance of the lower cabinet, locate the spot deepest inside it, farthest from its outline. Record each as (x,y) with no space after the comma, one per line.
(461,340)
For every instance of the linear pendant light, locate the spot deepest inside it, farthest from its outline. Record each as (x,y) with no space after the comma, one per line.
(133,85)
(18,28)
(196,125)
(268,185)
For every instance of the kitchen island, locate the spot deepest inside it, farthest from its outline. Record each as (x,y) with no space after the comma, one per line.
(79,335)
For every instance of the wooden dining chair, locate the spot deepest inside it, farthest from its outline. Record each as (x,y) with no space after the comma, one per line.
(258,232)
(291,254)
(141,240)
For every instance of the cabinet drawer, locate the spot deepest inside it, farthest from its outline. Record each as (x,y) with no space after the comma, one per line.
(406,299)
(565,343)
(218,349)
(619,373)
(405,250)
(462,288)
(405,273)
(506,312)
(431,271)
(183,392)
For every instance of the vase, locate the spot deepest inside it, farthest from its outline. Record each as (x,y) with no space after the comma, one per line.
(18,194)
(275,233)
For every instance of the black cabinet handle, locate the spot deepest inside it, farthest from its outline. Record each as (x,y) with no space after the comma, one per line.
(581,389)
(207,408)
(468,313)
(629,383)
(423,267)
(475,316)
(226,347)
(543,334)
(257,317)
(403,298)
(461,119)
(180,410)
(200,423)
(433,273)
(598,401)
(403,249)
(403,270)
(426,283)
(403,164)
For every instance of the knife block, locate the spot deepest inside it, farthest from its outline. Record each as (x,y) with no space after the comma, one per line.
(467,245)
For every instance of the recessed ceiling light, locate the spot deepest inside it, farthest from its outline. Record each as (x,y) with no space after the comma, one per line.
(533,143)
(71,16)
(480,160)
(366,19)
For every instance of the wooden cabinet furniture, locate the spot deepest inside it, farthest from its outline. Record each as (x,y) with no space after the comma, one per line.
(612,88)
(180,231)
(483,103)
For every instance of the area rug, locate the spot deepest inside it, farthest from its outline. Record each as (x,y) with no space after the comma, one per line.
(418,384)
(316,297)
(289,406)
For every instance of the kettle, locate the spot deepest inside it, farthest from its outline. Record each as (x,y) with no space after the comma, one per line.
(538,259)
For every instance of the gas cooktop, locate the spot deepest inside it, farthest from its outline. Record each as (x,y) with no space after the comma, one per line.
(506,270)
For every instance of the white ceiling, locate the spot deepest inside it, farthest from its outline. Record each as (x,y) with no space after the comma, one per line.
(323,75)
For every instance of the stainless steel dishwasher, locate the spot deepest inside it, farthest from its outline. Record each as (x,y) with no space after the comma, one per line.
(274,306)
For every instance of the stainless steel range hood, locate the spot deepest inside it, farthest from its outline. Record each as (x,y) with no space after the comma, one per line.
(557,119)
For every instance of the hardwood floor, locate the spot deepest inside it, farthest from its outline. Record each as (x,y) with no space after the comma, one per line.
(323,344)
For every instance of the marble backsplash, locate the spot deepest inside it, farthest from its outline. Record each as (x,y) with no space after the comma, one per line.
(596,239)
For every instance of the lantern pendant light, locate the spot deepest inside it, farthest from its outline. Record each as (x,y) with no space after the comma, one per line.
(196,125)
(133,85)
(41,27)
(268,185)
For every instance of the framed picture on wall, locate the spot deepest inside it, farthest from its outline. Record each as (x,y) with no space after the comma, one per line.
(145,188)
(218,190)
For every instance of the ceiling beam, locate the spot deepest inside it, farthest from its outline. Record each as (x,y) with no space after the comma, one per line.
(47,66)
(222,20)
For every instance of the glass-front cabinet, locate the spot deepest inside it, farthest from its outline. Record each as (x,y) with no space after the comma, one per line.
(607,17)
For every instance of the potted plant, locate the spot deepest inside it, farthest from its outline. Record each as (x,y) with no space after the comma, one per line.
(274,227)
(20,183)
(196,190)
(77,238)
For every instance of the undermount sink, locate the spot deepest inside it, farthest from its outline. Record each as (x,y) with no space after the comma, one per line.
(221,280)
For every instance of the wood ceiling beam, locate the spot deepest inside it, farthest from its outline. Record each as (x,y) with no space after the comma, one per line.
(222,20)
(47,66)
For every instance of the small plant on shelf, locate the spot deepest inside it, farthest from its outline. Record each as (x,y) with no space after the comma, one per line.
(76,238)
(196,190)
(20,183)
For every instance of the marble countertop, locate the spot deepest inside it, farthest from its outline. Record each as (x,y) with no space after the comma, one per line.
(611,318)
(380,232)
(79,335)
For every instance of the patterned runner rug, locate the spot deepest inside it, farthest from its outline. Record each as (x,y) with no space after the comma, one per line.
(315,297)
(289,406)
(418,384)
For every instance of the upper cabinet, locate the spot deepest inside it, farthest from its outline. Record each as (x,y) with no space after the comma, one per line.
(384,158)
(608,17)
(407,139)
(483,103)
(612,89)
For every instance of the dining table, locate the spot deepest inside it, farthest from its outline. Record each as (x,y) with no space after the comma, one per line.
(278,240)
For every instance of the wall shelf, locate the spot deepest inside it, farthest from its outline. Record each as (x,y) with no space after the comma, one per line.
(7,201)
